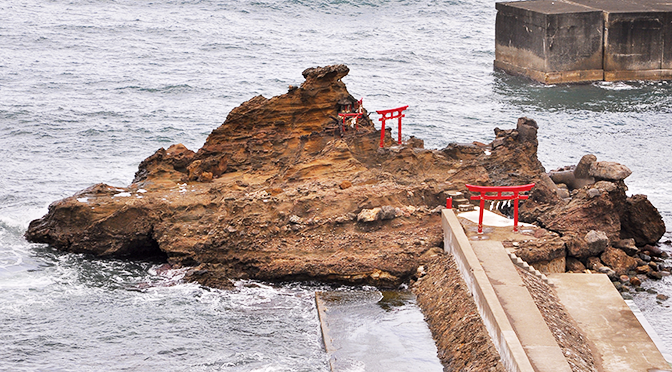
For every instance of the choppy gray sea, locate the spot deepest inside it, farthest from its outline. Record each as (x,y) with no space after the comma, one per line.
(89,88)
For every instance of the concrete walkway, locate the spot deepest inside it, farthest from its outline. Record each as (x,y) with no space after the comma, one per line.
(606,320)
(620,342)
(530,327)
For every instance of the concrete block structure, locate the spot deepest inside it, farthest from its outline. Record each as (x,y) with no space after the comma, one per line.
(565,41)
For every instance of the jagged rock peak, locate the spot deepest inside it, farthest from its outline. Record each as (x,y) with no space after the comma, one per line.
(330,73)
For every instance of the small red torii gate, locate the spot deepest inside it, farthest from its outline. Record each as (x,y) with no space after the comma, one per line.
(343,116)
(349,114)
(395,113)
(515,196)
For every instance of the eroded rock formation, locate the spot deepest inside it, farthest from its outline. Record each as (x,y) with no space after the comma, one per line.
(600,224)
(281,192)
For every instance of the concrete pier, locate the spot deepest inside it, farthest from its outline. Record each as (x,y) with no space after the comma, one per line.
(562,41)
(522,338)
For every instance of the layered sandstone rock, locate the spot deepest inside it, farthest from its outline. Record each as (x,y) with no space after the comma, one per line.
(276,192)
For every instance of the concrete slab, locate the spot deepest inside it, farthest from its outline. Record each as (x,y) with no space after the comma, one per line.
(530,327)
(605,319)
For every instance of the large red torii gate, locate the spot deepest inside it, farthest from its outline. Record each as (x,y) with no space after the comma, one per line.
(513,194)
(395,113)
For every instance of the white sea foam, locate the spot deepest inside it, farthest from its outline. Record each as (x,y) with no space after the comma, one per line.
(618,85)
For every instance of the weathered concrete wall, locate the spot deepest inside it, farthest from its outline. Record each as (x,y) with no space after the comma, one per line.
(584,40)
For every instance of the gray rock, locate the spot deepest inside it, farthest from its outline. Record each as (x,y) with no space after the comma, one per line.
(597,242)
(609,170)
(655,275)
(387,212)
(565,177)
(582,169)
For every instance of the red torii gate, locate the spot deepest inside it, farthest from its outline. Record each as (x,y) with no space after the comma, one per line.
(515,196)
(343,116)
(393,114)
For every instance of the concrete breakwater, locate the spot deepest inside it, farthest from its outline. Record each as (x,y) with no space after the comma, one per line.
(487,314)
(585,40)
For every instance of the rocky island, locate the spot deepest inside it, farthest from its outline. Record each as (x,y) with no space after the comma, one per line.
(285,191)
(280,191)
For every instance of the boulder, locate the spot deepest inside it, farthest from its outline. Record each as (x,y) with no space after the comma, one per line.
(575,177)
(527,130)
(540,250)
(563,176)
(582,170)
(653,250)
(591,244)
(627,245)
(596,242)
(608,170)
(641,221)
(583,214)
(387,212)
(618,260)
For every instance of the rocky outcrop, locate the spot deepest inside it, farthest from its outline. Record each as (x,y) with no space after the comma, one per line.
(599,223)
(275,194)
(282,191)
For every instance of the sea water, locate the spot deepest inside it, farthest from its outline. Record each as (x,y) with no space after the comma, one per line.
(89,88)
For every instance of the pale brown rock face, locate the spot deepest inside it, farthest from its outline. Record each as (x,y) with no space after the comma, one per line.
(275,192)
